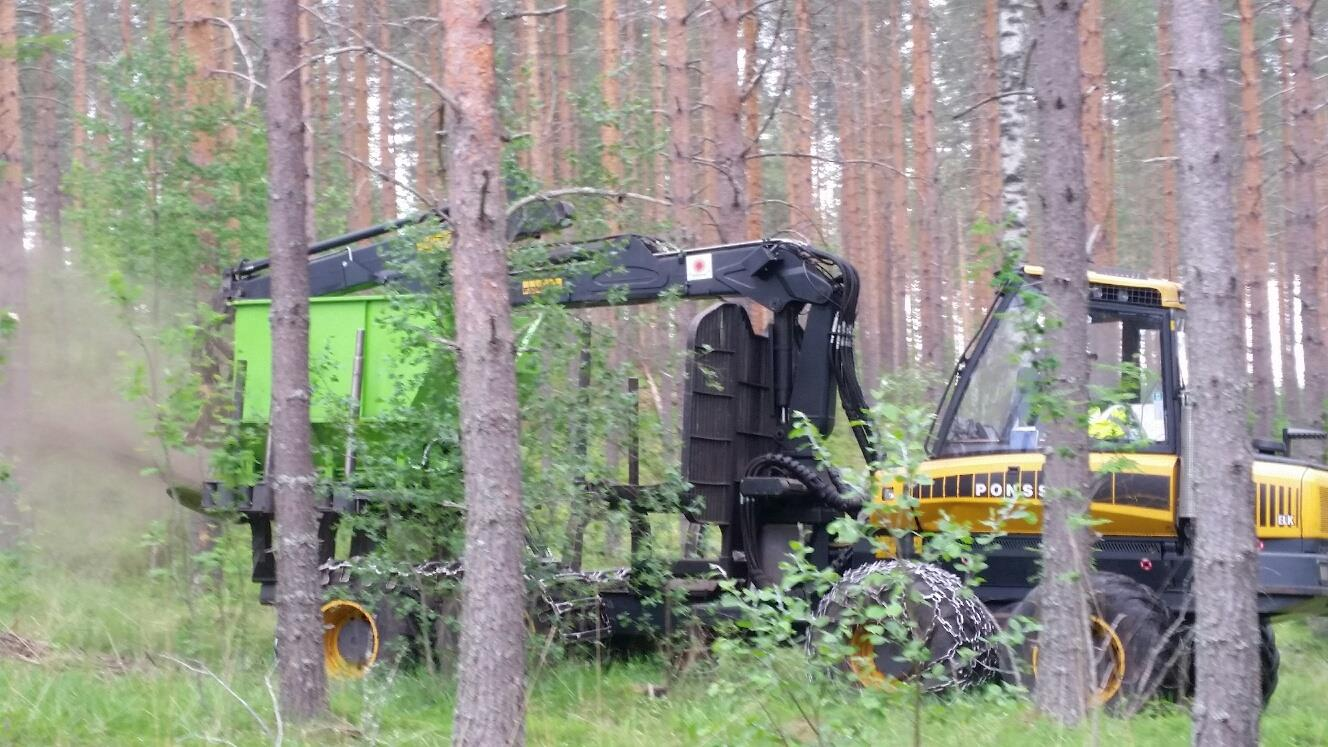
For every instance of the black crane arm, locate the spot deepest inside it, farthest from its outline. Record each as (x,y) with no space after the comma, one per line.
(812,294)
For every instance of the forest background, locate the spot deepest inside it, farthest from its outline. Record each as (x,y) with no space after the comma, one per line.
(132,139)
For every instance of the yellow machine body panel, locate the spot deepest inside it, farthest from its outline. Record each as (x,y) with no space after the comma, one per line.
(1137,499)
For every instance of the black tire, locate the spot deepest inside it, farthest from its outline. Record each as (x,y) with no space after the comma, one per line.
(940,610)
(1134,644)
(1270,661)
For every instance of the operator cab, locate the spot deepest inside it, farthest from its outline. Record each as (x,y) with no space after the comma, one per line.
(987,408)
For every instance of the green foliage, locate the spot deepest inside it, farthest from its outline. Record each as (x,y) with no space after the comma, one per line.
(148,205)
(764,651)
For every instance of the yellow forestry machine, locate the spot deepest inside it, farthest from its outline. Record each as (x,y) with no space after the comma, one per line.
(760,485)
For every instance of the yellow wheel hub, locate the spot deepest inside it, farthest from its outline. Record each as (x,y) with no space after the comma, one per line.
(1109,660)
(863,661)
(350,639)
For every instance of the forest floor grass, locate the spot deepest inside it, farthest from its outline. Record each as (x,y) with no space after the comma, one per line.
(114,655)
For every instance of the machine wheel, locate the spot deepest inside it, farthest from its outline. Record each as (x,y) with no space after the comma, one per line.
(357,633)
(938,611)
(1270,661)
(1129,623)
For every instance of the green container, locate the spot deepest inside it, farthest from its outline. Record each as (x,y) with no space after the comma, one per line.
(390,373)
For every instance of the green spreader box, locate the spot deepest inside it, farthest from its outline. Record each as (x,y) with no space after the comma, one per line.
(389,372)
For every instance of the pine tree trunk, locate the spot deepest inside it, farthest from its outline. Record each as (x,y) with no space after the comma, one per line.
(1286,269)
(927,187)
(1170,248)
(308,110)
(79,81)
(876,320)
(299,589)
(386,160)
(566,127)
(361,181)
(988,131)
(847,95)
(532,98)
(1250,242)
(46,156)
(13,258)
(1303,207)
(610,138)
(751,121)
(1226,705)
(680,118)
(1064,659)
(1097,154)
(126,18)
(798,169)
(490,704)
(897,184)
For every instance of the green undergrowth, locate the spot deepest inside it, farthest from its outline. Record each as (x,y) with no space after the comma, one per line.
(109,656)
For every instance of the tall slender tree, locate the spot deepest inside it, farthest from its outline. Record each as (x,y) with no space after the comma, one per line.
(1227,703)
(387,191)
(896,181)
(1063,685)
(1167,257)
(927,189)
(299,590)
(1250,242)
(13,281)
(361,173)
(798,170)
(1012,33)
(1097,126)
(1303,208)
(47,139)
(679,107)
(490,708)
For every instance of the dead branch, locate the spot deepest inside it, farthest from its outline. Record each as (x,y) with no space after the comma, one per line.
(384,176)
(840,161)
(989,99)
(534,13)
(200,669)
(612,194)
(244,55)
(367,46)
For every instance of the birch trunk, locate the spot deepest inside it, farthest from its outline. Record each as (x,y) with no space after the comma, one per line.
(490,707)
(1013,42)
(1227,704)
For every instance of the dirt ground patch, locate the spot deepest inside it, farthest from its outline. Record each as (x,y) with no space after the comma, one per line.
(15,646)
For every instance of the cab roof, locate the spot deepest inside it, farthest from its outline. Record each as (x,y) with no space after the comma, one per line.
(1128,287)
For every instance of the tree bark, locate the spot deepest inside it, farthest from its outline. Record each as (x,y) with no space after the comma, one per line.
(491,680)
(680,118)
(1170,248)
(1227,705)
(798,171)
(299,627)
(361,176)
(308,111)
(1013,36)
(847,95)
(1286,270)
(927,187)
(79,81)
(751,120)
(1064,658)
(876,321)
(532,99)
(897,183)
(1303,207)
(387,163)
(609,135)
(566,129)
(1097,153)
(1250,241)
(46,158)
(987,133)
(13,258)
